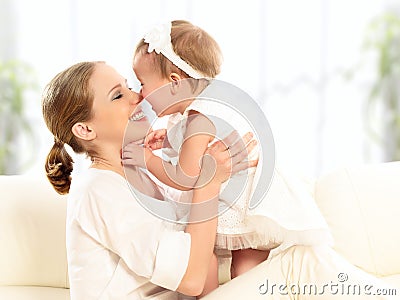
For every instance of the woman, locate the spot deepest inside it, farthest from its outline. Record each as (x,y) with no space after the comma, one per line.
(116,249)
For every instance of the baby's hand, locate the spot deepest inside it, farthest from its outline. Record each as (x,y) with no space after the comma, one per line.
(136,155)
(157,139)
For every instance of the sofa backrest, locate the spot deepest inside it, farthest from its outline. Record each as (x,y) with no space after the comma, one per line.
(32,233)
(362,208)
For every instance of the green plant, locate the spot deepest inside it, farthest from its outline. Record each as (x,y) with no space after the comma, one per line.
(383,39)
(16,78)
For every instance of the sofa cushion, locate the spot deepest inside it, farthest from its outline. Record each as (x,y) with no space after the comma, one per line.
(361,207)
(33,293)
(32,233)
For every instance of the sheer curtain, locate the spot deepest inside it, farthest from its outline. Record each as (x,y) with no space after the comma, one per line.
(290,56)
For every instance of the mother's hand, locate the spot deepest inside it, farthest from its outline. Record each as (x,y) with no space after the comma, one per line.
(226,157)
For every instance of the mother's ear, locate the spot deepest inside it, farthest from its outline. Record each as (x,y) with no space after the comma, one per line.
(83,131)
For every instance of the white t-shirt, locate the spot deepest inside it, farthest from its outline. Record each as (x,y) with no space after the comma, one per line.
(116,249)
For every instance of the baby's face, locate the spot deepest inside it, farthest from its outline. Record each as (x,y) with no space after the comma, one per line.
(149,78)
(156,89)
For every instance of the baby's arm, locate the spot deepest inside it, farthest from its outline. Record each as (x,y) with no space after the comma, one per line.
(199,132)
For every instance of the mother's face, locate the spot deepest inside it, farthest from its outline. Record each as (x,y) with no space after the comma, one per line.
(114,107)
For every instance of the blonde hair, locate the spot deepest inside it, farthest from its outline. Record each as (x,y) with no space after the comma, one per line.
(194,45)
(66,100)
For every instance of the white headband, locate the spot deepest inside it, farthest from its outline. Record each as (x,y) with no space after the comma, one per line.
(159,40)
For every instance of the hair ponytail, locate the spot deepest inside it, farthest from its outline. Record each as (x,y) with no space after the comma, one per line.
(59,166)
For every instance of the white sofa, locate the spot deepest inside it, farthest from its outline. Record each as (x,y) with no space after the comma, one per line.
(360,204)
(33,260)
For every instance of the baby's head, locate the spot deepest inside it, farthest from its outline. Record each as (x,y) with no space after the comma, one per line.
(175,51)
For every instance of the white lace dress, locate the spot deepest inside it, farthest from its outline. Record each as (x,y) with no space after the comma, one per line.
(288,214)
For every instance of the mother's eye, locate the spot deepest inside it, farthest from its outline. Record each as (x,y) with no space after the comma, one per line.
(118,96)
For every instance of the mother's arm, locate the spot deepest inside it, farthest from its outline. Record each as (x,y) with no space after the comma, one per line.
(202,241)
(204,209)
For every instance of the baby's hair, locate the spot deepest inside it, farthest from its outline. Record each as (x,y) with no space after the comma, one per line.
(194,45)
(66,100)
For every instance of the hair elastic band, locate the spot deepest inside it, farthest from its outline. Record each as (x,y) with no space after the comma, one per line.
(159,40)
(58,142)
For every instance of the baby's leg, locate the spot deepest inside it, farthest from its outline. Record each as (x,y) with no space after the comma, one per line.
(212,277)
(246,259)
